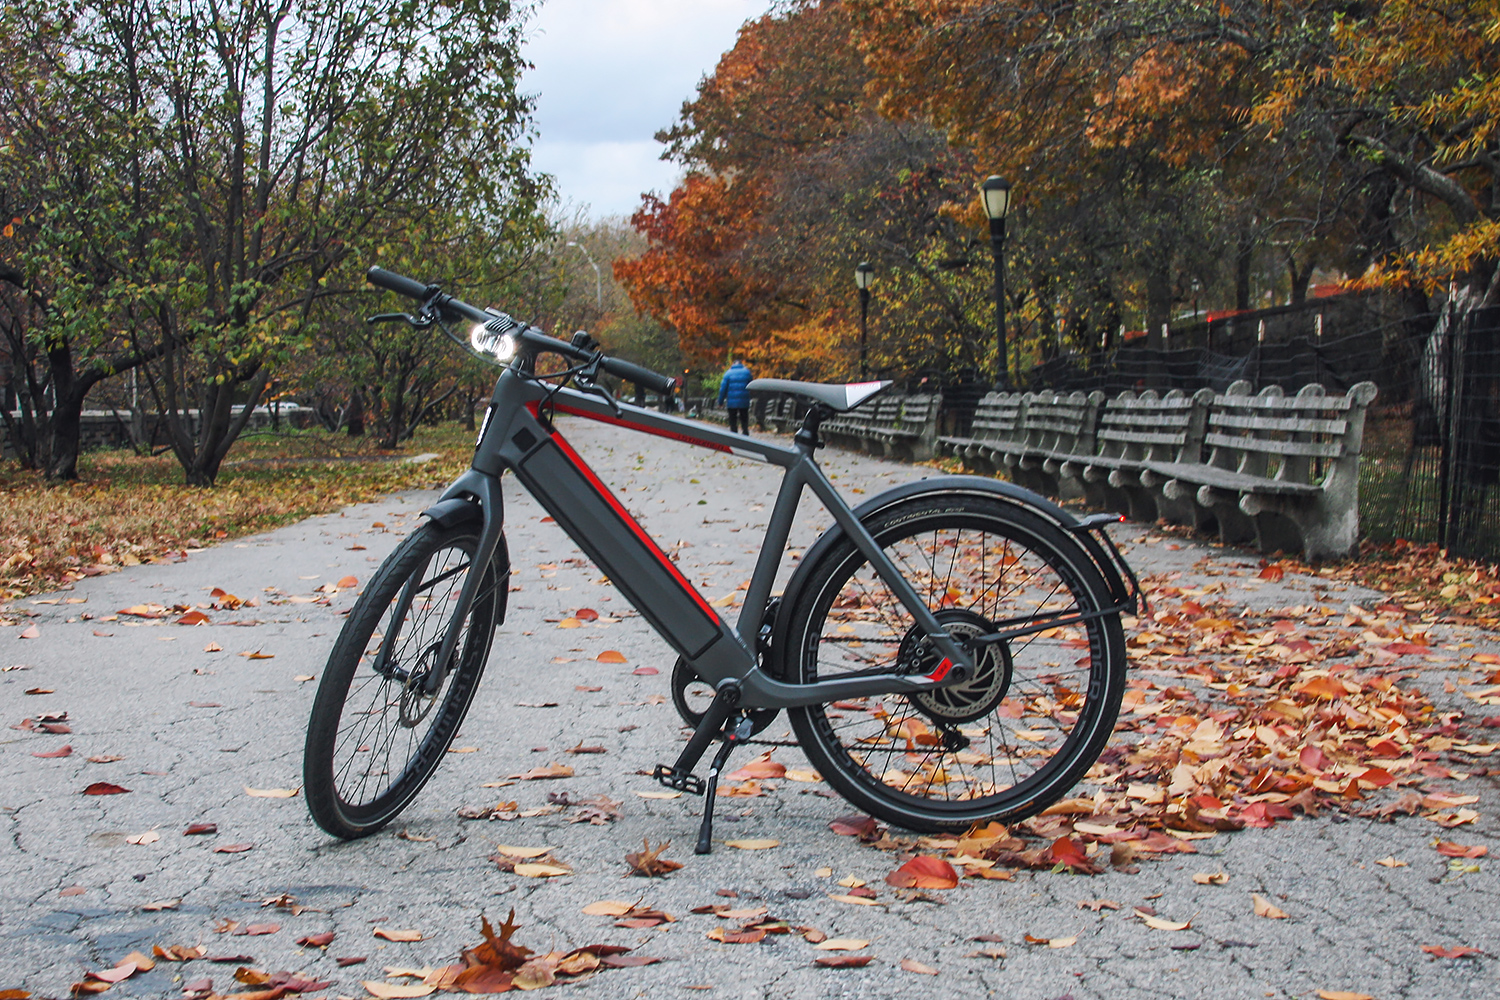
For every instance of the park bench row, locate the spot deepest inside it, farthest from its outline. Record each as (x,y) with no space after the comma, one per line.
(1281,471)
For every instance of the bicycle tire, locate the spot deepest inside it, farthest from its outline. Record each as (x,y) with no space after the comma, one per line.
(952,758)
(359,771)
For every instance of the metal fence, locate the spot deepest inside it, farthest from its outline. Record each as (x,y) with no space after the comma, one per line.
(1430,469)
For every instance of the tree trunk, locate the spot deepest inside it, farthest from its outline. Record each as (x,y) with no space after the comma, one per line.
(1244,257)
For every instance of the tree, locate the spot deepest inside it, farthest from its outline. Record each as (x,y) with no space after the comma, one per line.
(257,156)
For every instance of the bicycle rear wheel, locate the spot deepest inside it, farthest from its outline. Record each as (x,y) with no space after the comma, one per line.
(1012,739)
(375,737)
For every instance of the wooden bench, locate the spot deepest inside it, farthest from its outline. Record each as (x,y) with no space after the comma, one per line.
(1282,470)
(1134,430)
(994,433)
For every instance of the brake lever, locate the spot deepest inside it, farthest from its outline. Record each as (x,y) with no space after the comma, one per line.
(585,381)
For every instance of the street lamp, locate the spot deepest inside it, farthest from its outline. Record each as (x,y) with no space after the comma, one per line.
(598,280)
(863,275)
(996,194)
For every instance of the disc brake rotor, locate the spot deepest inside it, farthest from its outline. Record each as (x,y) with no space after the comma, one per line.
(977,695)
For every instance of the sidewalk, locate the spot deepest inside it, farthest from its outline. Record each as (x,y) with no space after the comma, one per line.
(87,879)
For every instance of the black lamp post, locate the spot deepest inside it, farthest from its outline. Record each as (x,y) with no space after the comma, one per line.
(996,194)
(863,275)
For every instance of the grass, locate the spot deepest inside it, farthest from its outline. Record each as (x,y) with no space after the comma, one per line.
(127,509)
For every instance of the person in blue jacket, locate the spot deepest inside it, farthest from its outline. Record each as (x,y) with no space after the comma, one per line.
(735,397)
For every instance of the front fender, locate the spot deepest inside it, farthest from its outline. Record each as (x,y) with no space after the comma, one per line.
(460,510)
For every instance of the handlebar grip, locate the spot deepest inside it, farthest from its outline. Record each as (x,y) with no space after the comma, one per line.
(398,283)
(641,376)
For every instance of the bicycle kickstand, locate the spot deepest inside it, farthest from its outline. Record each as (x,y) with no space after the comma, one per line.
(732,738)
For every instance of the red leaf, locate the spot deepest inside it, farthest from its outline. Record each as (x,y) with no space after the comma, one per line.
(586,615)
(1458,951)
(1377,776)
(627,961)
(924,872)
(1273,572)
(316,940)
(195,829)
(844,961)
(857,825)
(1449,849)
(62,751)
(233,848)
(193,618)
(104,788)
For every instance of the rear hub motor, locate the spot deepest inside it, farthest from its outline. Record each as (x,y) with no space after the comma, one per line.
(974,697)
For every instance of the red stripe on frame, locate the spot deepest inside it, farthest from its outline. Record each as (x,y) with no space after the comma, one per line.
(643,428)
(640,533)
(941,671)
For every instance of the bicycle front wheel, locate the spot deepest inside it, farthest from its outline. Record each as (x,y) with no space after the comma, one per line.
(376,736)
(1016,736)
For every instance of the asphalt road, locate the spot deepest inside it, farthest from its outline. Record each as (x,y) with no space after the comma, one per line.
(187,731)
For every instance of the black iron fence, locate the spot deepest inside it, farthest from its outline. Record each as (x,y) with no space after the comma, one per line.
(1430,470)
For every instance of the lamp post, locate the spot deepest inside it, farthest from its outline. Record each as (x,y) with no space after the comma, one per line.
(598,279)
(996,194)
(863,275)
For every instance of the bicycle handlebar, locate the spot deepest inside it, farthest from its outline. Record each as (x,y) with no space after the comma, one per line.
(531,337)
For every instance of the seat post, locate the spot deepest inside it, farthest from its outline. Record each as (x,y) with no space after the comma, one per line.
(807,438)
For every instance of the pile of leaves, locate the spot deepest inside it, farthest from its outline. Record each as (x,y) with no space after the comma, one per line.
(499,964)
(129,509)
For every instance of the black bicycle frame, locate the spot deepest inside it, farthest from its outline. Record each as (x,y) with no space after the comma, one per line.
(518,435)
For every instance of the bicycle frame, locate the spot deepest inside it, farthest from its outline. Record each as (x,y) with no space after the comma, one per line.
(517,435)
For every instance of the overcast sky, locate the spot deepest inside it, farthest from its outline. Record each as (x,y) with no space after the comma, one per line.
(609,74)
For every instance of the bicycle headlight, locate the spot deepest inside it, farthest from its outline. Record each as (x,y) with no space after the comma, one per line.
(492,343)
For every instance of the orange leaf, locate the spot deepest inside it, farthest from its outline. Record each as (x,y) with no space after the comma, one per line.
(1456,952)
(347,583)
(1449,849)
(924,872)
(611,656)
(398,935)
(193,618)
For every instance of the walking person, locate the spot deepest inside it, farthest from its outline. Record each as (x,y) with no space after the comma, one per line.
(736,397)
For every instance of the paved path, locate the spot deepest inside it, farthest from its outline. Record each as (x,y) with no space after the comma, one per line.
(188,730)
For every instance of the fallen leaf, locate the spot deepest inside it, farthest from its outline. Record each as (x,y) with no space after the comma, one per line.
(1264,908)
(105,788)
(1343,995)
(553,770)
(1161,923)
(857,825)
(1458,951)
(347,583)
(844,961)
(40,691)
(1450,849)
(194,618)
(398,935)
(753,844)
(271,793)
(536,870)
(752,935)
(1389,861)
(842,944)
(522,852)
(233,848)
(149,837)
(256,655)
(63,751)
(608,908)
(158,905)
(396,991)
(30,632)
(213,647)
(179,952)
(322,940)
(649,862)
(257,930)
(856,900)
(924,872)
(912,965)
(1211,878)
(72,890)
(659,794)
(611,656)
(627,961)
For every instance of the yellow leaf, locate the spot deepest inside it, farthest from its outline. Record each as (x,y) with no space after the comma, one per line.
(753,845)
(1389,861)
(398,935)
(1210,878)
(1161,924)
(570,623)
(1263,908)
(523,852)
(842,944)
(535,870)
(608,908)
(395,991)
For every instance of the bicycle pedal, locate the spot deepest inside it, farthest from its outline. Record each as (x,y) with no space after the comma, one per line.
(682,781)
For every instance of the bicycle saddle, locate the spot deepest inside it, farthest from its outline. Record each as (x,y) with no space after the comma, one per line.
(839,398)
